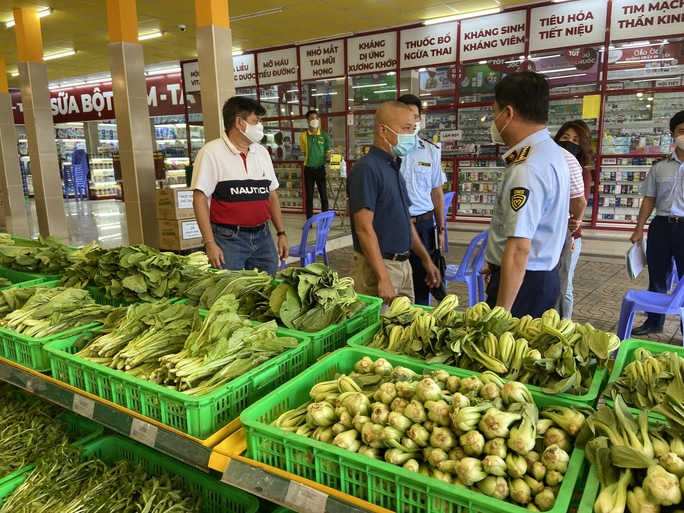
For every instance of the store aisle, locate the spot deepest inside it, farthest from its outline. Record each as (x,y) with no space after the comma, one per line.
(104,221)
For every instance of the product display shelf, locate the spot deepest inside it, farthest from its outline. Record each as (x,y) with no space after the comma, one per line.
(478,182)
(212,453)
(149,432)
(290,192)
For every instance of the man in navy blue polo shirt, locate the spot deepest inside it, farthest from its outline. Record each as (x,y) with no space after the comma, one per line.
(382,232)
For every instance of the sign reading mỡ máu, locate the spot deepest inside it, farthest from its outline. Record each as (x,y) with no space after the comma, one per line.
(322,60)
(637,19)
(493,36)
(372,54)
(427,46)
(567,25)
(277,66)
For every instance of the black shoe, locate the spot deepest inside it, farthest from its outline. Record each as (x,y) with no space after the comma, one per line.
(645,329)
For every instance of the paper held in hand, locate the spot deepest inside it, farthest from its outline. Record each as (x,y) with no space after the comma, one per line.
(635,259)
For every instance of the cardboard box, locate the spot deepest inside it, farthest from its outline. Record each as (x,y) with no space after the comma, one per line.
(174,203)
(179,234)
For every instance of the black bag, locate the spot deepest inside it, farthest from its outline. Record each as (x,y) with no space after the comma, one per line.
(440,291)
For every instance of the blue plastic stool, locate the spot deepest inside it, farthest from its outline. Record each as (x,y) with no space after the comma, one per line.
(307,253)
(468,271)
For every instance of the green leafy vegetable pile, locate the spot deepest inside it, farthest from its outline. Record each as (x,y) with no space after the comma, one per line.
(48,311)
(27,430)
(307,299)
(63,482)
(44,256)
(135,273)
(168,345)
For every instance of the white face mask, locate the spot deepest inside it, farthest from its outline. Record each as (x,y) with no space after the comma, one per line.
(494,131)
(679,141)
(315,123)
(417,129)
(254,133)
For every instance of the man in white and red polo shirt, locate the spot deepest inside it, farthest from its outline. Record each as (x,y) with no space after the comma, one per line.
(235,194)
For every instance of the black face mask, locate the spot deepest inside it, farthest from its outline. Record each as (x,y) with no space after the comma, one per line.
(571,147)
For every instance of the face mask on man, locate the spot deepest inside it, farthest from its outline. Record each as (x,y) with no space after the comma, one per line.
(254,133)
(417,129)
(571,147)
(315,123)
(494,131)
(679,141)
(405,143)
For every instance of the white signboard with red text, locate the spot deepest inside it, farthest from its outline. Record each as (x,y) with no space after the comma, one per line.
(493,36)
(372,54)
(322,60)
(277,67)
(427,46)
(637,19)
(567,24)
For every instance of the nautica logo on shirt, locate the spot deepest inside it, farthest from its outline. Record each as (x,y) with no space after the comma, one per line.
(249,190)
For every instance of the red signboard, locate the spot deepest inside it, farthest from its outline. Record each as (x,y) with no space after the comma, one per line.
(95,102)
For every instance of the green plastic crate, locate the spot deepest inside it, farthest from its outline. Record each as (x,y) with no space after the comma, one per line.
(591,491)
(102,299)
(25,278)
(86,430)
(335,337)
(282,509)
(217,497)
(380,483)
(28,351)
(589,399)
(625,356)
(200,416)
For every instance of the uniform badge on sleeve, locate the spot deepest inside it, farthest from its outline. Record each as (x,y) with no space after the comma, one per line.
(519,197)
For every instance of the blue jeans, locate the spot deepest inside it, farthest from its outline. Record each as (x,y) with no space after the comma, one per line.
(569,299)
(245,250)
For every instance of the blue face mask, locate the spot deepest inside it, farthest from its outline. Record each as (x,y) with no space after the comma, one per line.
(405,143)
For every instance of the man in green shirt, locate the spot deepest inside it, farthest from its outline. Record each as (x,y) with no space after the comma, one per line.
(315,144)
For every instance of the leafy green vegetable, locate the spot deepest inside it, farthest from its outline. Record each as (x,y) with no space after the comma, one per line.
(45,256)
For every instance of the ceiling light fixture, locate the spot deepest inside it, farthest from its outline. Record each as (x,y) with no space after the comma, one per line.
(41,14)
(16,74)
(163,71)
(257,14)
(237,52)
(151,35)
(463,16)
(58,55)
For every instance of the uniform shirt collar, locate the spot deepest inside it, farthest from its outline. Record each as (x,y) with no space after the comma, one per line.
(231,146)
(535,138)
(673,156)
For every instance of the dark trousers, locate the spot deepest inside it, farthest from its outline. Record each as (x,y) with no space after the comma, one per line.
(426,232)
(538,292)
(317,175)
(665,241)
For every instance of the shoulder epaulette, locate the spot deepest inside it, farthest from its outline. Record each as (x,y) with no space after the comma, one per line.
(524,153)
(429,142)
(666,157)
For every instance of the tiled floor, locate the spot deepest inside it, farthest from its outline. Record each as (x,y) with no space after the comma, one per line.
(599,286)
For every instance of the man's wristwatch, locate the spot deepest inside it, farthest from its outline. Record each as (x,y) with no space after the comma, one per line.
(441,228)
(282,233)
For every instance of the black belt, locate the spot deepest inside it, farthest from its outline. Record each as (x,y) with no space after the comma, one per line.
(494,267)
(673,220)
(396,257)
(248,229)
(314,167)
(422,217)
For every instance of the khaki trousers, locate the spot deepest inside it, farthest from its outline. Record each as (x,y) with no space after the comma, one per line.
(366,281)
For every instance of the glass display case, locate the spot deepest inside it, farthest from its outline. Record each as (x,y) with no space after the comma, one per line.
(289,176)
(476,140)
